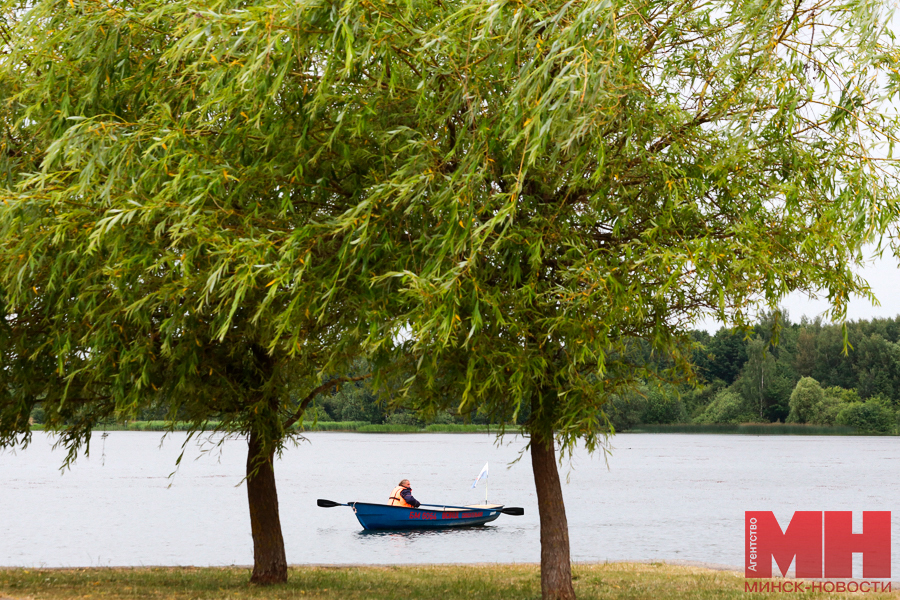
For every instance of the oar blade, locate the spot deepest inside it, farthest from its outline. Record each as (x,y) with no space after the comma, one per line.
(328,503)
(516,511)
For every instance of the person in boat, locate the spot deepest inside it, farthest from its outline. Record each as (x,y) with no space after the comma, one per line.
(402,496)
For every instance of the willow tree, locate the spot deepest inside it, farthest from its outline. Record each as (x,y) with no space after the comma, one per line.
(166,205)
(519,198)
(571,184)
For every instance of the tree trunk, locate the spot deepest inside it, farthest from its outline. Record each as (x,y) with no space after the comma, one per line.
(556,568)
(269,561)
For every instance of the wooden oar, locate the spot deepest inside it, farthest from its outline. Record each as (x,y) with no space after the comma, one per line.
(329,503)
(510,510)
(515,511)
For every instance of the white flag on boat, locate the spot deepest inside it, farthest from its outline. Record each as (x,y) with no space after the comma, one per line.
(484,473)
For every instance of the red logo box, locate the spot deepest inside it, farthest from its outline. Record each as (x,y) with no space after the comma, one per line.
(823,544)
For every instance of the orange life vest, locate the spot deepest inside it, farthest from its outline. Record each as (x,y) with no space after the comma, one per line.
(397,500)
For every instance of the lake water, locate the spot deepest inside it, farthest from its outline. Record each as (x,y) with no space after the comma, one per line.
(661,497)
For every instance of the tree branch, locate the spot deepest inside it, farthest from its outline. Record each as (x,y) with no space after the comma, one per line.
(309,398)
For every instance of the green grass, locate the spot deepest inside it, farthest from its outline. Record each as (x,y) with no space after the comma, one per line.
(334,425)
(359,426)
(137,426)
(748,429)
(459,428)
(181,426)
(389,428)
(366,427)
(150,426)
(614,581)
(435,428)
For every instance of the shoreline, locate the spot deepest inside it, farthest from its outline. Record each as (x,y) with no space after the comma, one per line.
(674,563)
(580,563)
(689,564)
(633,580)
(748,429)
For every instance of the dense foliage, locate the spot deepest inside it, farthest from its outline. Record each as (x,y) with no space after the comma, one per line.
(514,204)
(166,227)
(807,373)
(807,377)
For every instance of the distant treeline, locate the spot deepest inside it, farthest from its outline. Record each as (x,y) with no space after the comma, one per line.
(356,426)
(803,376)
(354,406)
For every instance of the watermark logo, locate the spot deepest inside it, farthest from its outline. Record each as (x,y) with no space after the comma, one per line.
(821,544)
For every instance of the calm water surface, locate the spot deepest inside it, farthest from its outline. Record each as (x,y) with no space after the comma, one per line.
(661,497)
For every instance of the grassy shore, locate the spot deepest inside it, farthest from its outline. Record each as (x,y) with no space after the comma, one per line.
(616,581)
(357,426)
(366,427)
(748,429)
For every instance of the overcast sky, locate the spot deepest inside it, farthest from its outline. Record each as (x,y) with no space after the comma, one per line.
(883,276)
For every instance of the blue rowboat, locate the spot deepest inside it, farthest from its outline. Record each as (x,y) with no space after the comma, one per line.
(435,516)
(382,516)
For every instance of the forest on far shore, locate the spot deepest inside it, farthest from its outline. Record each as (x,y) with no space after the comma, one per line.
(803,377)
